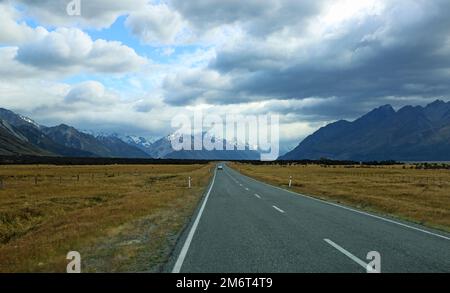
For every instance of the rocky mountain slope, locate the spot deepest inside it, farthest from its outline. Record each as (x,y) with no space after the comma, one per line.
(409,134)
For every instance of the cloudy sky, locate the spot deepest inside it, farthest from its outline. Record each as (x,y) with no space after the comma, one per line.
(130,66)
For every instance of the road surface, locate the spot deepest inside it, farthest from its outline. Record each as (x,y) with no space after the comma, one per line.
(246,226)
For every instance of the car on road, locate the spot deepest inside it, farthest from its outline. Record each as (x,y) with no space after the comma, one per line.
(220,167)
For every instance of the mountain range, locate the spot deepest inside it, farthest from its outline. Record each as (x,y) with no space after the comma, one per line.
(61,140)
(20,135)
(413,133)
(409,134)
(241,152)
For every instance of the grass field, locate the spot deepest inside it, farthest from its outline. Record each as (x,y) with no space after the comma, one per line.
(421,196)
(120,218)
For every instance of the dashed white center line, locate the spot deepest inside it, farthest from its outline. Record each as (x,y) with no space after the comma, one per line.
(258,196)
(278,209)
(247,189)
(349,255)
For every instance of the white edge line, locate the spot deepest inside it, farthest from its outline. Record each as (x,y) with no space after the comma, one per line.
(353,210)
(278,209)
(177,267)
(348,254)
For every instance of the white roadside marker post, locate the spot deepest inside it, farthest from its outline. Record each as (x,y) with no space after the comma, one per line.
(189,182)
(290,181)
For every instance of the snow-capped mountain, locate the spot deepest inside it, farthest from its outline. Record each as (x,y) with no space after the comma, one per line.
(139,142)
(25,136)
(163,149)
(17,120)
(30,121)
(142,143)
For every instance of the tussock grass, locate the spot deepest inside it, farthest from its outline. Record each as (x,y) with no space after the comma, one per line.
(421,196)
(122,218)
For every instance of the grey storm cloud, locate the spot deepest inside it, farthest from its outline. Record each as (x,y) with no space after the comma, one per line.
(404,52)
(258,17)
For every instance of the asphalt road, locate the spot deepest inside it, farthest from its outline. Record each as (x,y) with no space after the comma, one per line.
(246,226)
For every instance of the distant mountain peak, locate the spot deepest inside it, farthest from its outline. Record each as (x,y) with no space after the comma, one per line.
(384,109)
(138,140)
(410,109)
(377,115)
(64,126)
(437,103)
(387,107)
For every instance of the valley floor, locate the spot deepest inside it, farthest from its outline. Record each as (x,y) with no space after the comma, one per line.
(121,218)
(421,196)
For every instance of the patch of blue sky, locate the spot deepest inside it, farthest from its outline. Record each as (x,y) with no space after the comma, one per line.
(158,54)
(31,22)
(131,84)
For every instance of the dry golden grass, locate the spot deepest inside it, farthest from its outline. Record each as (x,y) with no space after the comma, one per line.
(421,196)
(120,218)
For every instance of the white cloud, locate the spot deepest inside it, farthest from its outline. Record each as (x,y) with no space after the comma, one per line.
(27,95)
(71,50)
(156,24)
(90,93)
(193,86)
(12,69)
(12,31)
